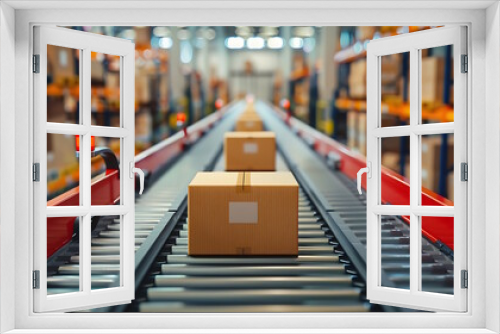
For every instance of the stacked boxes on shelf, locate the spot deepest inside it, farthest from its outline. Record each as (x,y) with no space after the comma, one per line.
(357,79)
(432,81)
(431,146)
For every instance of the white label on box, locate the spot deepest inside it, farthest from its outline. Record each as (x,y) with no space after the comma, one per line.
(249,124)
(250,148)
(243,212)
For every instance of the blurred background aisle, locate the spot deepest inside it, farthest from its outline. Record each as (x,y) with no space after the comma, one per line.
(316,73)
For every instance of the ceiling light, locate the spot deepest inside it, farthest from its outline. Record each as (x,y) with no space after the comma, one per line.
(128,34)
(209,34)
(309,44)
(161,31)
(275,43)
(186,52)
(183,34)
(304,31)
(235,43)
(296,43)
(165,43)
(255,43)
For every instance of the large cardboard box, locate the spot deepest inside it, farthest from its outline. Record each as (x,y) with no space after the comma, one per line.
(249,122)
(250,151)
(243,213)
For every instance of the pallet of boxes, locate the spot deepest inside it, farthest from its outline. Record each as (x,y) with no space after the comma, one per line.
(250,209)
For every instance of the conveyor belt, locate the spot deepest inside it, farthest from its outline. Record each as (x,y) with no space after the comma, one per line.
(328,275)
(344,210)
(318,280)
(163,202)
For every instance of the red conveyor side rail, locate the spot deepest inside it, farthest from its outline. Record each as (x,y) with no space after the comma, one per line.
(395,190)
(106,191)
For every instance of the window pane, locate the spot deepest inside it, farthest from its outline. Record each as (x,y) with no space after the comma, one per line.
(63,248)
(395,156)
(395,259)
(63,170)
(437,254)
(394,88)
(106,244)
(437,168)
(105,83)
(437,84)
(63,85)
(105,171)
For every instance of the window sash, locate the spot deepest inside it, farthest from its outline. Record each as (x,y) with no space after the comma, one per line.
(86,297)
(413,43)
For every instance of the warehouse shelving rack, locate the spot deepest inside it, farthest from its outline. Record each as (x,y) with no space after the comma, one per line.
(441,113)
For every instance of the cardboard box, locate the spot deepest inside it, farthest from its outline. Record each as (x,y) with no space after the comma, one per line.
(451,186)
(391,160)
(249,122)
(361,133)
(61,64)
(357,79)
(250,151)
(432,81)
(352,130)
(390,76)
(431,146)
(243,213)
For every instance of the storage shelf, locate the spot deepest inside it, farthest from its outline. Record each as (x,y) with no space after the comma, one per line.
(402,110)
(358,50)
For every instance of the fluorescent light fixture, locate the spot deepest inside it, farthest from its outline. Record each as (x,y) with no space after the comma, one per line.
(186,52)
(210,34)
(200,42)
(183,34)
(309,44)
(244,31)
(255,43)
(128,34)
(235,43)
(275,43)
(161,31)
(165,43)
(296,43)
(304,31)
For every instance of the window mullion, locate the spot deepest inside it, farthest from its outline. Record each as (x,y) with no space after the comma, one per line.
(85,166)
(415,263)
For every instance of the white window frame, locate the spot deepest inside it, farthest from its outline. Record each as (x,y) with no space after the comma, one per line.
(482,19)
(413,43)
(86,43)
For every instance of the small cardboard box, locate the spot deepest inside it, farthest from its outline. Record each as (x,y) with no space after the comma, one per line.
(250,151)
(249,122)
(352,129)
(431,159)
(432,80)
(361,133)
(243,213)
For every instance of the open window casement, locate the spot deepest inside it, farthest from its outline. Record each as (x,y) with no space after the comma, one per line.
(424,218)
(89,284)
